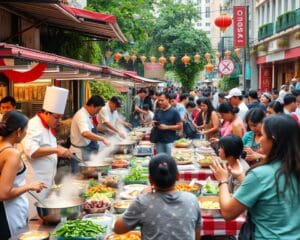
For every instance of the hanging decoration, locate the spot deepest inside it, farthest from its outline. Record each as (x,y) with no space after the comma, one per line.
(108,54)
(223,21)
(161,49)
(185,59)
(23,77)
(237,52)
(162,60)
(152,59)
(143,59)
(227,53)
(133,58)
(209,67)
(197,58)
(127,57)
(218,55)
(117,57)
(207,56)
(172,59)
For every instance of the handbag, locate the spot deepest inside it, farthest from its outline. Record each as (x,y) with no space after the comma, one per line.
(154,135)
(247,230)
(189,128)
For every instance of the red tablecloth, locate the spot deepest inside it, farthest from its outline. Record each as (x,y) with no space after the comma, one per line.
(220,227)
(200,174)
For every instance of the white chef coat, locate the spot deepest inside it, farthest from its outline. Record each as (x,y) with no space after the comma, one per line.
(81,122)
(44,167)
(106,115)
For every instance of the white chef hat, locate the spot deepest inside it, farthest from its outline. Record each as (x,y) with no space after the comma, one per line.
(55,99)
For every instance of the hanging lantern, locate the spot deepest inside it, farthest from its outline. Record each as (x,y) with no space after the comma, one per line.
(223,21)
(237,52)
(227,53)
(172,59)
(143,59)
(127,57)
(162,60)
(133,58)
(207,56)
(152,59)
(218,55)
(197,58)
(108,54)
(117,56)
(161,48)
(185,59)
(209,67)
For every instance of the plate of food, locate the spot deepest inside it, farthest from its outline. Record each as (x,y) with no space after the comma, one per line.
(182,158)
(185,187)
(120,163)
(206,161)
(126,236)
(209,206)
(183,143)
(121,206)
(130,194)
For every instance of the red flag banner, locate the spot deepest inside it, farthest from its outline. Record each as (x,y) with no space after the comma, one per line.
(240,26)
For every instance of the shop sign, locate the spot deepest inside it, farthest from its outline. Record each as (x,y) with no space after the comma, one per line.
(240,26)
(265,83)
(154,70)
(226,67)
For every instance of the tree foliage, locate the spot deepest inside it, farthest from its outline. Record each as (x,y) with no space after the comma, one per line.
(104,89)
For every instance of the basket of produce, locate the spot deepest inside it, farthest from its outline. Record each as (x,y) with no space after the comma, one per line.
(209,206)
(183,143)
(126,236)
(135,176)
(185,187)
(79,230)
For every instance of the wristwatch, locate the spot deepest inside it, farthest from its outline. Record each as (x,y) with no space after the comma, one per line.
(222,182)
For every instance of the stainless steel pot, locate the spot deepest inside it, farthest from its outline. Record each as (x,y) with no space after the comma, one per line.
(126,146)
(91,169)
(54,212)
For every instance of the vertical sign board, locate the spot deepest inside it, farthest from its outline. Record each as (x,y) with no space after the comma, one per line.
(240,26)
(266,78)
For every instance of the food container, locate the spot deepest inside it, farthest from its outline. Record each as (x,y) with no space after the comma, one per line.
(102,219)
(111,181)
(125,146)
(122,156)
(34,235)
(121,206)
(120,164)
(209,206)
(185,187)
(52,212)
(133,235)
(91,170)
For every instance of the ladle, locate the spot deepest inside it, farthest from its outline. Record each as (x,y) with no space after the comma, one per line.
(37,198)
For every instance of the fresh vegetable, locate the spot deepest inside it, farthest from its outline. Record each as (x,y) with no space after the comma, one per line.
(99,197)
(211,188)
(79,228)
(135,174)
(183,140)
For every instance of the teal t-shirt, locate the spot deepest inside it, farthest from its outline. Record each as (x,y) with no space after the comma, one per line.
(274,218)
(248,140)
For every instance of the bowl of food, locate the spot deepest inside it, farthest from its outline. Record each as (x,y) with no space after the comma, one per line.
(121,206)
(133,235)
(120,163)
(91,169)
(111,181)
(182,143)
(206,160)
(201,143)
(185,187)
(96,206)
(209,206)
(210,189)
(122,156)
(34,235)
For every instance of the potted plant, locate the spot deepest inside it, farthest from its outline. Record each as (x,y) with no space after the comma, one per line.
(282,42)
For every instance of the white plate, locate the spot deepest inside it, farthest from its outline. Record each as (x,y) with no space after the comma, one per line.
(132,187)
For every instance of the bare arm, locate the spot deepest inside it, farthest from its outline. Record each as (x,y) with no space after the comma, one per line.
(48,150)
(178,126)
(94,137)
(120,226)
(215,124)
(237,129)
(198,233)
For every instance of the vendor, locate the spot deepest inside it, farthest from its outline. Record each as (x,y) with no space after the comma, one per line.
(109,118)
(84,137)
(40,142)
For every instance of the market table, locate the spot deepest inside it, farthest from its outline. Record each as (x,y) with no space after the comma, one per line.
(199,174)
(221,227)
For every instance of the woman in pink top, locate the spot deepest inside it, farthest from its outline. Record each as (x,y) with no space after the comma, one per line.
(232,124)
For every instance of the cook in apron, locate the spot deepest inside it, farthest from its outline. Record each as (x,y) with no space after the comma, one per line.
(86,151)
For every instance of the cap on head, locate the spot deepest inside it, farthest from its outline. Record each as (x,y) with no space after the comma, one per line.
(235,92)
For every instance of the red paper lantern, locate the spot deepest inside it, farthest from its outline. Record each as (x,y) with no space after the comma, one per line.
(172,59)
(209,67)
(162,60)
(223,21)
(117,56)
(143,59)
(185,59)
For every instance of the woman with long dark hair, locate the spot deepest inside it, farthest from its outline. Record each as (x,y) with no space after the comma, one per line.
(210,118)
(13,202)
(271,190)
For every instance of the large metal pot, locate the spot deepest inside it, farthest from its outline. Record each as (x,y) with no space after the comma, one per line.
(126,146)
(52,212)
(91,169)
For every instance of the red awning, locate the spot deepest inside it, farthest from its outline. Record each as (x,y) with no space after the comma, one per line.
(98,25)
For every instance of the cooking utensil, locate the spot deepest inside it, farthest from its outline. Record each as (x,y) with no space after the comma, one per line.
(37,198)
(59,209)
(91,169)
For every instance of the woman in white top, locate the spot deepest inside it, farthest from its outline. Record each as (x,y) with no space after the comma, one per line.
(13,202)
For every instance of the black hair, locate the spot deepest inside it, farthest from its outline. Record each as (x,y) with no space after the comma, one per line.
(275,91)
(255,115)
(167,95)
(96,101)
(12,121)
(253,94)
(171,96)
(221,95)
(163,170)
(191,98)
(190,104)
(288,99)
(232,146)
(296,92)
(284,132)
(225,107)
(210,108)
(10,99)
(146,107)
(183,96)
(142,90)
(276,106)
(199,100)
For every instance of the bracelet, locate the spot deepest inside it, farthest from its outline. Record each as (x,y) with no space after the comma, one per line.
(222,182)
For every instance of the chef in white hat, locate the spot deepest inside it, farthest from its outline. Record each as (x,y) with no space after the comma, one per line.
(40,142)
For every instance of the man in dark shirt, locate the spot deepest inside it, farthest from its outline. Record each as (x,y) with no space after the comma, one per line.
(167,120)
(254,102)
